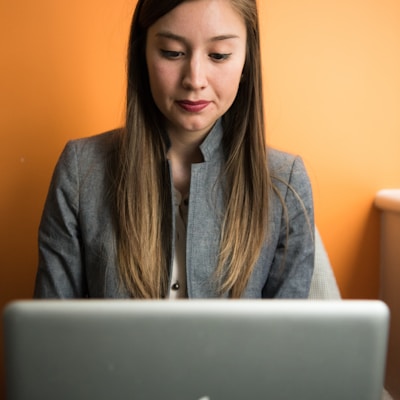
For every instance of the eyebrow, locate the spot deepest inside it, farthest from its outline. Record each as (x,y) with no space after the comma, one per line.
(173,36)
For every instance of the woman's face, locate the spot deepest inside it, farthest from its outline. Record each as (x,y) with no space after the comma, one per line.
(195,56)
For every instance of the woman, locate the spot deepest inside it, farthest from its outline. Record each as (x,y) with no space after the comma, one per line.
(186,200)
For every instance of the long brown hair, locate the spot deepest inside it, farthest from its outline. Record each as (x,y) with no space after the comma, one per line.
(143,196)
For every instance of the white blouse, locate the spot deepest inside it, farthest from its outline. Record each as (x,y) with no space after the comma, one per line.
(178,289)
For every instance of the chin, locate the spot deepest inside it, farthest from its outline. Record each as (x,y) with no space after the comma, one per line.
(198,126)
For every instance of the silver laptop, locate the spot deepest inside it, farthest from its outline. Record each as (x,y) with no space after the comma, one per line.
(195,350)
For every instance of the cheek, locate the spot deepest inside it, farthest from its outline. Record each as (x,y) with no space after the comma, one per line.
(228,82)
(162,79)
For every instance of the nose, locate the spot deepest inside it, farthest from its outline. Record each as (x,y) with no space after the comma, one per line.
(194,74)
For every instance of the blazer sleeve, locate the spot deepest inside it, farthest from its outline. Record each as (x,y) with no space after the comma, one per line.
(293,263)
(60,271)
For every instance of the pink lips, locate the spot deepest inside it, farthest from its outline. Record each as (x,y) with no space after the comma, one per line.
(193,106)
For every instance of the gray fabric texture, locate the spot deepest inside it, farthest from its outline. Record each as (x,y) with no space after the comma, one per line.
(323,282)
(77,252)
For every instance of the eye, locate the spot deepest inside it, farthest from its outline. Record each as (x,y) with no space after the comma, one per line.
(220,56)
(172,55)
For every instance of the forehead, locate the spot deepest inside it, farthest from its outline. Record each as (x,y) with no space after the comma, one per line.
(202,19)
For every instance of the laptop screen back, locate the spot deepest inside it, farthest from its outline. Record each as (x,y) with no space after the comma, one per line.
(192,350)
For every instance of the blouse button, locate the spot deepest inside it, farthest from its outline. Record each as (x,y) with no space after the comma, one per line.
(175,286)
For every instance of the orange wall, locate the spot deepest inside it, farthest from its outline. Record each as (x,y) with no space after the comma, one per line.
(332,90)
(332,84)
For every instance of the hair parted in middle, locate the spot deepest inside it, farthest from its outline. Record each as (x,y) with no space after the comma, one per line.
(143,204)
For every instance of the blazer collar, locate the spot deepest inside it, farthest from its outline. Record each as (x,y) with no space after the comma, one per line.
(211,146)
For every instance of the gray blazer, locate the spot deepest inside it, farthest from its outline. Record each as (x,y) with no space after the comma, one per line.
(77,252)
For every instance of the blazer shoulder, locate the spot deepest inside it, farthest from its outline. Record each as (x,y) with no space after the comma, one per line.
(96,146)
(87,162)
(281,164)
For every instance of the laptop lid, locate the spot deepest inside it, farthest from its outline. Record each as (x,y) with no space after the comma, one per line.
(192,350)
